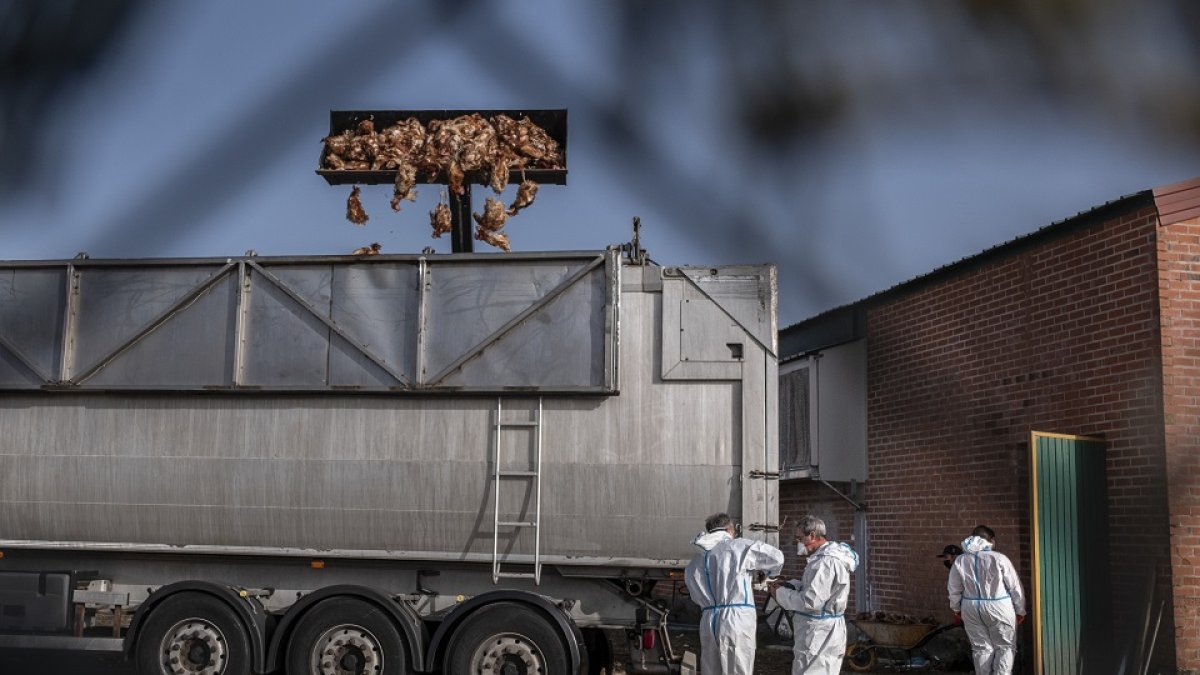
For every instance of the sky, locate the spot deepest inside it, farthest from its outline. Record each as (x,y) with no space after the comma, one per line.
(855,145)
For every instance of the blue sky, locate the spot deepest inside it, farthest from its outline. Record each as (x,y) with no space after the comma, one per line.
(198,133)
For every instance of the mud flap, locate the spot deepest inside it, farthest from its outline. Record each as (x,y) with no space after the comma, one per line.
(688,666)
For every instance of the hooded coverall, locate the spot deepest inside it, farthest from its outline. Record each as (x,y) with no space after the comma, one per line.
(985,589)
(719,581)
(818,609)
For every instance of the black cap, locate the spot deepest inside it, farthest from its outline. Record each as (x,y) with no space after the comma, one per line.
(950,550)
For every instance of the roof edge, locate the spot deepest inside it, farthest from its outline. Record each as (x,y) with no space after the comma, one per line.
(854,313)
(1177,202)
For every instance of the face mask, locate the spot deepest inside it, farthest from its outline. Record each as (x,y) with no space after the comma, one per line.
(800,550)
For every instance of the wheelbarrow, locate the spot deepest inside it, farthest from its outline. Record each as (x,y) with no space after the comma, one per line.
(907,647)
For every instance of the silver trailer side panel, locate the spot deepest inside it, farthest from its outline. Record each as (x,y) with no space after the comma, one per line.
(388,324)
(626,479)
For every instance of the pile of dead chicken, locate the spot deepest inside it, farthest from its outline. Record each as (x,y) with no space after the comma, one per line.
(445,150)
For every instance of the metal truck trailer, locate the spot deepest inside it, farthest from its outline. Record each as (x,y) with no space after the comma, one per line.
(398,463)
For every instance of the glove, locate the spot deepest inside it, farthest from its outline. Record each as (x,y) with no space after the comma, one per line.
(958,618)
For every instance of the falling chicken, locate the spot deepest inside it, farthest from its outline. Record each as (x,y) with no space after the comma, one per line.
(491,222)
(494,238)
(526,193)
(355,212)
(371,249)
(406,180)
(498,177)
(440,219)
(493,217)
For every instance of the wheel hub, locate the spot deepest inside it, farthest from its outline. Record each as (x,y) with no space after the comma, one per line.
(347,650)
(193,647)
(508,654)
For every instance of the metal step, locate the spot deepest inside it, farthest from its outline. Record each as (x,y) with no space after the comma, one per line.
(516,575)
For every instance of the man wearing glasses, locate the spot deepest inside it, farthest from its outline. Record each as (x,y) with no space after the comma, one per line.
(820,603)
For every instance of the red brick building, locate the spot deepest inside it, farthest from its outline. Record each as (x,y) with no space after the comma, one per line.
(1088,327)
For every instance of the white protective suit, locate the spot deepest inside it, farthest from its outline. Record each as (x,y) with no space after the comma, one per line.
(818,609)
(984,587)
(719,581)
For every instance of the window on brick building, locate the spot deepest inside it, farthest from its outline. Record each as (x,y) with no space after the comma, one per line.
(823,414)
(795,428)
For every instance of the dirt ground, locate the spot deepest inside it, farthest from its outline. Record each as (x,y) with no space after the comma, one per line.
(772,657)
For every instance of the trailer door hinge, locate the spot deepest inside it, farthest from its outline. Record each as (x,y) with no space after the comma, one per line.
(767,475)
(762,527)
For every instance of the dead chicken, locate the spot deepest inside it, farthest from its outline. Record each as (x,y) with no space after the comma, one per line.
(355,212)
(498,176)
(406,180)
(337,147)
(479,141)
(531,145)
(493,217)
(401,143)
(370,249)
(408,136)
(364,145)
(526,193)
(334,162)
(497,239)
(491,222)
(440,219)
(456,146)
(436,153)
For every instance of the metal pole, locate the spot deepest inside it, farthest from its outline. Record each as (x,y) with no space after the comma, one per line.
(461,240)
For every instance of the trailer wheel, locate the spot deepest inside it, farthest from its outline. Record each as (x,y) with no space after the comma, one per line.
(346,636)
(506,639)
(193,634)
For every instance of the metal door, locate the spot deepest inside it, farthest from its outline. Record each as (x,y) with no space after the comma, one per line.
(1070,553)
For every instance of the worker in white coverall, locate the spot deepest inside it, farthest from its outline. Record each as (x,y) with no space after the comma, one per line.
(719,581)
(819,605)
(986,596)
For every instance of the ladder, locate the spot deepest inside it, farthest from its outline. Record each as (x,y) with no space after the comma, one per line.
(500,477)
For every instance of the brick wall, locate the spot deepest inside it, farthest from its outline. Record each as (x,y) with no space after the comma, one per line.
(1060,336)
(801,497)
(1179,291)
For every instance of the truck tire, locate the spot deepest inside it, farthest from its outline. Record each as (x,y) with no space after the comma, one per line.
(346,635)
(193,634)
(506,638)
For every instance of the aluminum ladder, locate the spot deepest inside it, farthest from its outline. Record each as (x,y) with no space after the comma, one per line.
(499,477)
